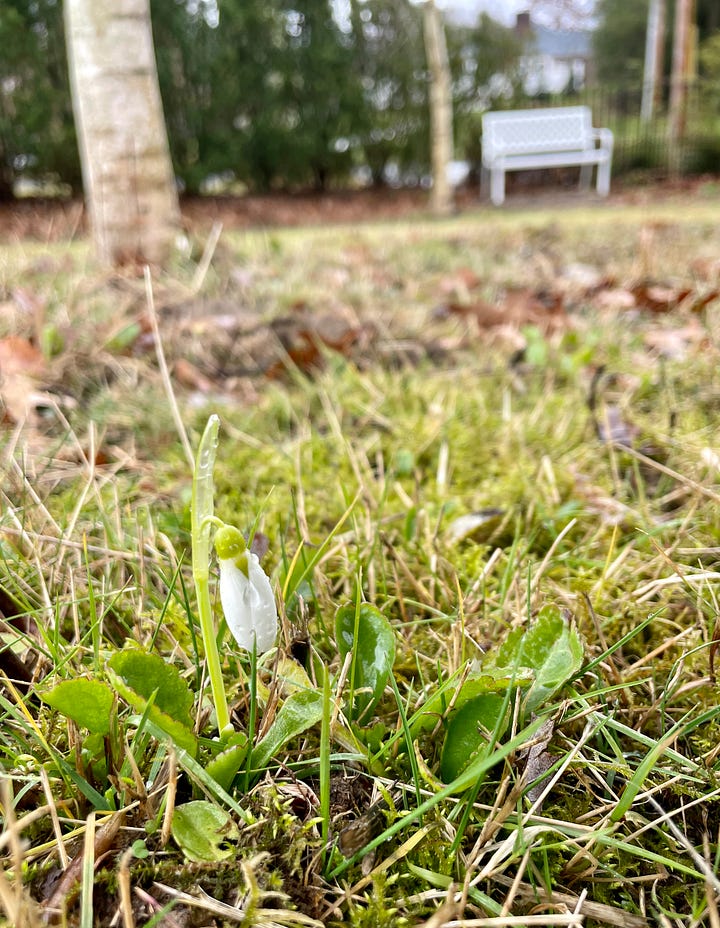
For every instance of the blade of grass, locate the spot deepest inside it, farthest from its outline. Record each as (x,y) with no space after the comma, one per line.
(325,765)
(417,780)
(291,583)
(88,874)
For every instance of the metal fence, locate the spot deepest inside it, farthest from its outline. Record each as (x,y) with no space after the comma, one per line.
(645,145)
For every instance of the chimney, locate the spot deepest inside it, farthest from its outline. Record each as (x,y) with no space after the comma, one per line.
(523,26)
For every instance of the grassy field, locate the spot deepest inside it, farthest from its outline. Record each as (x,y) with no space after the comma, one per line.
(480,460)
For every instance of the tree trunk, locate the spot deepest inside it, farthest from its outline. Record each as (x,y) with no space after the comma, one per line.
(441,118)
(654,48)
(127,174)
(680,77)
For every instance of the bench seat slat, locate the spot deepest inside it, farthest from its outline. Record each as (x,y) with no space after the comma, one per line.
(551,159)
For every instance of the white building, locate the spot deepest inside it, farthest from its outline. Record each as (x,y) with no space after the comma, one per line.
(554,61)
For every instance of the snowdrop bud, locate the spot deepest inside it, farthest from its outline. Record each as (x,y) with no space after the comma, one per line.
(245,592)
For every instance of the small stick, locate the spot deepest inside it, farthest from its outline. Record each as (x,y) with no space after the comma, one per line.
(169,798)
(164,372)
(204,266)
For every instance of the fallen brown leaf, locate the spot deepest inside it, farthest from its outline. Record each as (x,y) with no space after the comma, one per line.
(518,306)
(674,343)
(612,427)
(192,377)
(68,886)
(706,268)
(21,367)
(615,298)
(18,355)
(539,761)
(658,298)
(523,306)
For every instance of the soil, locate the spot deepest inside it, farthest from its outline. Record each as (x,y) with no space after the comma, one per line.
(61,220)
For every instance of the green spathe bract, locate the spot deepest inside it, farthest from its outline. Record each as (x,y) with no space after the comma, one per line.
(201,511)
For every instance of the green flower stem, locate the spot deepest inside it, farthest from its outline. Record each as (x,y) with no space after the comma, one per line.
(202,517)
(252,718)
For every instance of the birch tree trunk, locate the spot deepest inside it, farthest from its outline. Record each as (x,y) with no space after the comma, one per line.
(127,174)
(654,47)
(441,118)
(680,77)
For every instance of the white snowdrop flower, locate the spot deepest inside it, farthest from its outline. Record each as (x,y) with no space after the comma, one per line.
(245,592)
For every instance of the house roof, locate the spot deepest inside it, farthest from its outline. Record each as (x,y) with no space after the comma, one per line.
(561,44)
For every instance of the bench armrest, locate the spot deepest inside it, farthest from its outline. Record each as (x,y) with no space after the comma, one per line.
(604,137)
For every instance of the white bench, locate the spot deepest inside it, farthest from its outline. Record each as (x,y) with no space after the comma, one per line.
(519,140)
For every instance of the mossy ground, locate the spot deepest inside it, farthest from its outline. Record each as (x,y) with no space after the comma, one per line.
(95,554)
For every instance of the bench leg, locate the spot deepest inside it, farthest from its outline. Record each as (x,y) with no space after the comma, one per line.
(497,186)
(585,176)
(603,178)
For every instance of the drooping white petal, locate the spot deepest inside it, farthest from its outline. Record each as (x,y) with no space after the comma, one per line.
(248,603)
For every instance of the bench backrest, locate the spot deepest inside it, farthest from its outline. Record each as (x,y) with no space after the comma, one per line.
(520,132)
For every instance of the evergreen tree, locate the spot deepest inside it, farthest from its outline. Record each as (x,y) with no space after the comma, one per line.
(390,53)
(619,42)
(37,138)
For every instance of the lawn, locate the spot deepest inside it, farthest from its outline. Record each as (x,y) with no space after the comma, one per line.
(479,461)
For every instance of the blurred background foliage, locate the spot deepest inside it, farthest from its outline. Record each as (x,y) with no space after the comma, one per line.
(264,95)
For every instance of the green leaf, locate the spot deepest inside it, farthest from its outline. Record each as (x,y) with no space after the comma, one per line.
(366,633)
(298,713)
(152,686)
(223,767)
(551,648)
(475,684)
(201,830)
(470,730)
(140,849)
(88,703)
(150,676)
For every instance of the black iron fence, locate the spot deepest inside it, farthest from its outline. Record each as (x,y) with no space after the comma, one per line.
(647,144)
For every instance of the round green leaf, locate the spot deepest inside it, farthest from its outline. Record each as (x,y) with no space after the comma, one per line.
(201,830)
(149,675)
(150,685)
(87,702)
(550,648)
(369,636)
(469,731)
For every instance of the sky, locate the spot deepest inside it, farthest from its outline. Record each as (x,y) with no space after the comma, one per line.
(505,11)
(502,10)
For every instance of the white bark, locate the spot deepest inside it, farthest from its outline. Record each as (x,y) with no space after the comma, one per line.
(654,43)
(129,184)
(680,72)
(441,119)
